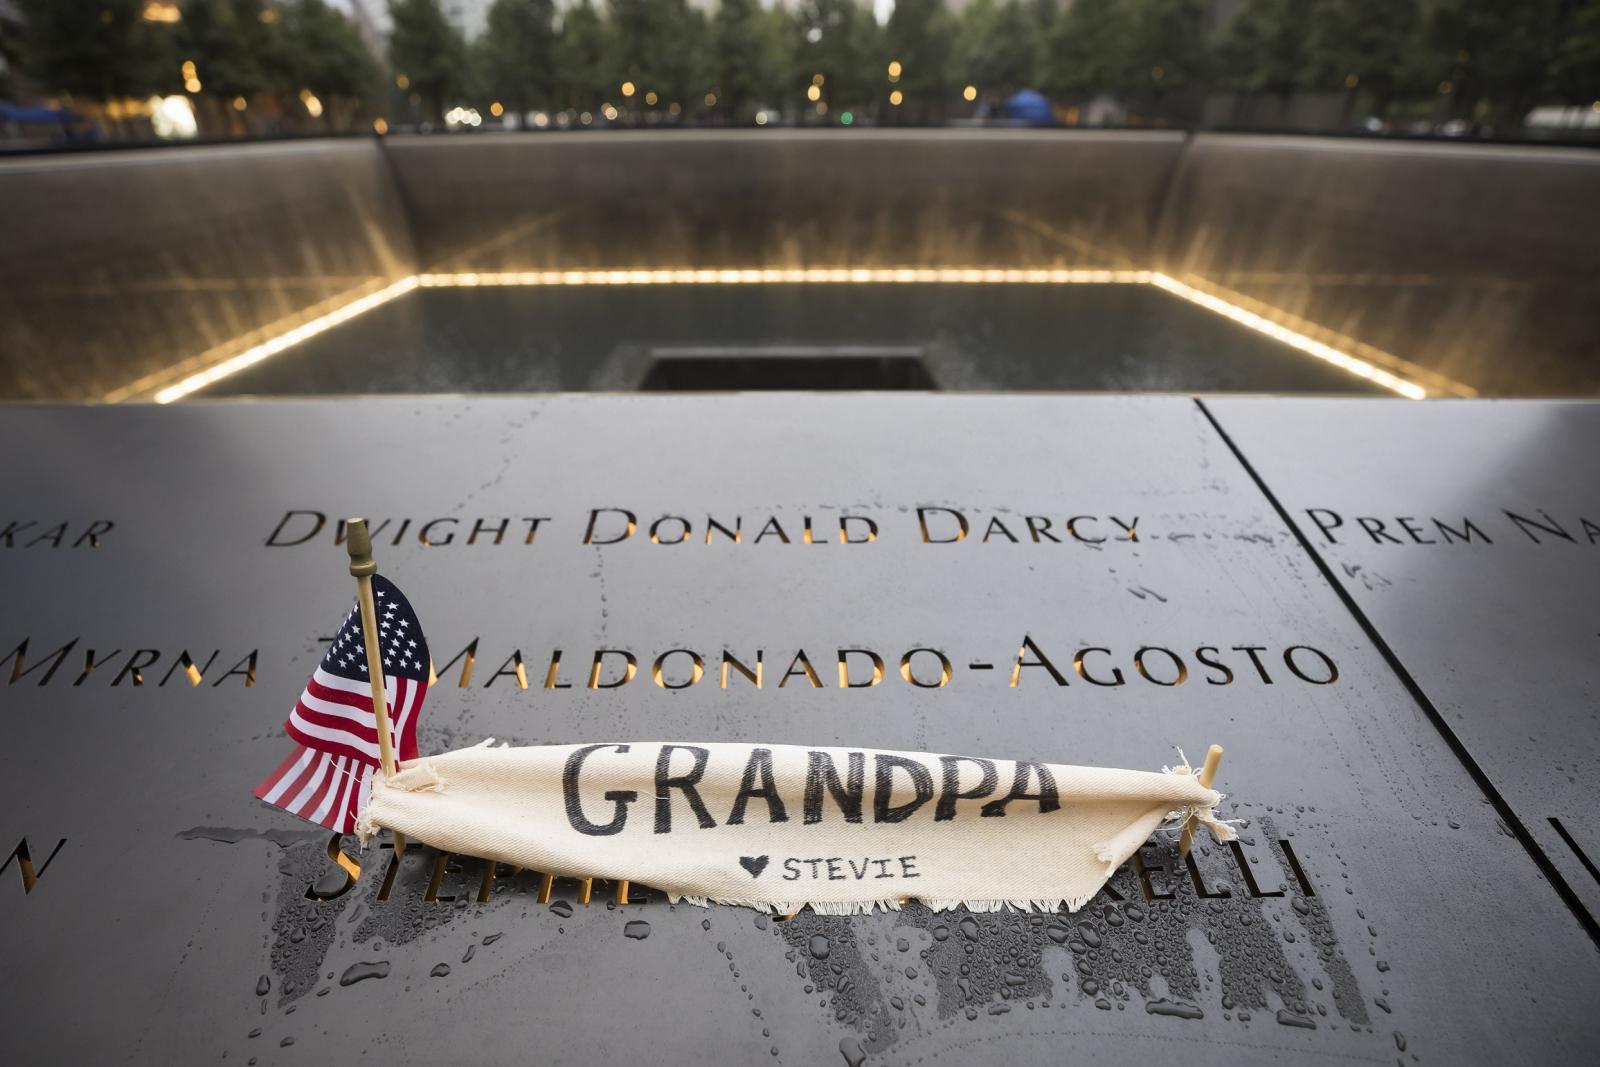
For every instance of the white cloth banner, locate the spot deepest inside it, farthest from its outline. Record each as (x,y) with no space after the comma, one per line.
(778,827)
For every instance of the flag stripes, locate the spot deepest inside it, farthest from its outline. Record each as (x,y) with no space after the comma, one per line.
(319,787)
(335,715)
(328,776)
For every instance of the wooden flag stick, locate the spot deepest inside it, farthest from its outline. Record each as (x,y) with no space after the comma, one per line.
(359,544)
(1207,775)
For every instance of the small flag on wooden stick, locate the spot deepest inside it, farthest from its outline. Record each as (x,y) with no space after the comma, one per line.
(335,713)
(361,705)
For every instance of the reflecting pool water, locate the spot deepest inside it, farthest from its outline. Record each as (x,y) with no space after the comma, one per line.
(864,336)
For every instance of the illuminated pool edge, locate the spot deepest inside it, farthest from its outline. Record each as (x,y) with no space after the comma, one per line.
(1291,338)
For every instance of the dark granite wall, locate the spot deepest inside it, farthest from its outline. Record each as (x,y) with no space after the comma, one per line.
(114,265)
(786,198)
(1478,262)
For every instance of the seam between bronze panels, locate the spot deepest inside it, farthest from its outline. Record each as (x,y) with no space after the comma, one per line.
(1541,859)
(1583,857)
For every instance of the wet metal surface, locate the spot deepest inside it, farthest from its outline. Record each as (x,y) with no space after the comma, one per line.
(1375,909)
(1469,534)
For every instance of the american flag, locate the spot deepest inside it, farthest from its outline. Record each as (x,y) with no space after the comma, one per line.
(327,779)
(321,788)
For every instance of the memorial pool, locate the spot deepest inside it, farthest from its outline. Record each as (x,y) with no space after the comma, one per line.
(933,540)
(609,338)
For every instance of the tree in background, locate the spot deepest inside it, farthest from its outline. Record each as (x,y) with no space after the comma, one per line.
(1263,49)
(1363,47)
(837,39)
(639,32)
(581,52)
(326,57)
(236,54)
(998,45)
(1088,50)
(1487,61)
(1575,73)
(1167,50)
(658,46)
(427,53)
(1046,12)
(99,51)
(517,54)
(749,64)
(10,51)
(1491,58)
(920,35)
(688,77)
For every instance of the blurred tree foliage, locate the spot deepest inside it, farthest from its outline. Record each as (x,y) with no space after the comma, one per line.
(1169,47)
(516,56)
(1263,50)
(1491,58)
(582,51)
(1485,60)
(1484,63)
(427,54)
(1575,74)
(920,34)
(1365,48)
(10,50)
(235,52)
(1088,50)
(658,45)
(98,51)
(839,40)
(751,61)
(323,53)
(999,47)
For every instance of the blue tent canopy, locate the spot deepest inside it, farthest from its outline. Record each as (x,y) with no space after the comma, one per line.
(1029,106)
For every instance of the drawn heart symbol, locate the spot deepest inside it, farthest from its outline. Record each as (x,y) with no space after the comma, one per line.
(754,864)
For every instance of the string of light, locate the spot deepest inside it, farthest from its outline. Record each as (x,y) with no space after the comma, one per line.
(1294,339)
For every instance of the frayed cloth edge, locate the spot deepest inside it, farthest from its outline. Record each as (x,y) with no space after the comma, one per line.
(1115,852)
(886,904)
(420,776)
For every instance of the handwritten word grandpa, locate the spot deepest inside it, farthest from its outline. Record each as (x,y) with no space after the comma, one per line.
(902,786)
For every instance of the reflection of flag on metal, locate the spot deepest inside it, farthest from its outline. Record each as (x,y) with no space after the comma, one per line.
(328,777)
(334,714)
(321,788)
